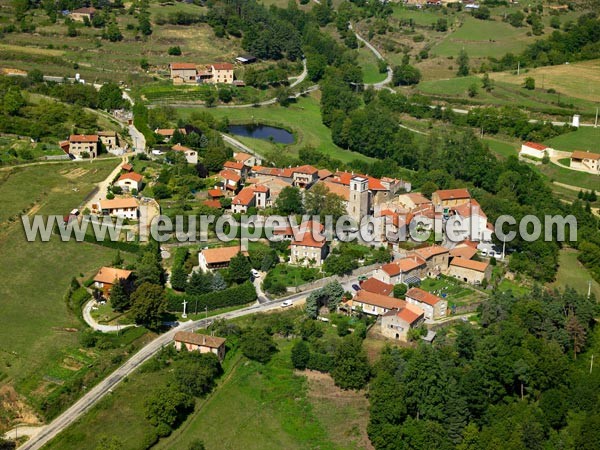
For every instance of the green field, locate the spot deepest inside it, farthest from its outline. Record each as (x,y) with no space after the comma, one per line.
(571,273)
(483,38)
(501,148)
(369,66)
(585,138)
(303,117)
(571,177)
(36,328)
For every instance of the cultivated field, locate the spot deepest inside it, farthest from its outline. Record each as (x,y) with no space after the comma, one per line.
(585,138)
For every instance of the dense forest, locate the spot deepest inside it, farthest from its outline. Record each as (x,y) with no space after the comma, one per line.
(515,382)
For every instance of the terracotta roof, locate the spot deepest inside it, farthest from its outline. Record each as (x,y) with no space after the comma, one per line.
(215,193)
(402,265)
(377,287)
(229,175)
(410,314)
(337,189)
(468,209)
(244,197)
(241,156)
(107,133)
(119,203)
(83,138)
(183,66)
(383,301)
(451,194)
(181,148)
(84,10)
(127,167)
(469,264)
(345,177)
(429,252)
(463,251)
(578,154)
(423,296)
(222,66)
(131,176)
(306,169)
(535,145)
(417,198)
(324,173)
(220,254)
(199,339)
(260,188)
(108,275)
(233,165)
(212,204)
(168,132)
(308,233)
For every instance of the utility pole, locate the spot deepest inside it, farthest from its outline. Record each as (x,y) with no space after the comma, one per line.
(596,121)
(518,68)
(589,289)
(206,311)
(592,364)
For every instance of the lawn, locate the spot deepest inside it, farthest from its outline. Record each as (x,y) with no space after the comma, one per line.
(501,148)
(585,138)
(36,328)
(302,117)
(571,273)
(452,290)
(571,177)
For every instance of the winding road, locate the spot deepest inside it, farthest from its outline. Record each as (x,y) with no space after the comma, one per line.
(390,72)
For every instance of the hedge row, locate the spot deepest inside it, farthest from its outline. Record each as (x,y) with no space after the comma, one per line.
(233,296)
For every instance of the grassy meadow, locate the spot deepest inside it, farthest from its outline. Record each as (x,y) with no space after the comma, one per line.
(302,117)
(37,338)
(571,273)
(585,138)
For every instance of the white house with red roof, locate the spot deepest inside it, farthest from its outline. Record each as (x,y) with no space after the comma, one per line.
(400,270)
(586,161)
(251,196)
(130,181)
(309,245)
(534,150)
(191,155)
(468,221)
(247,159)
(396,323)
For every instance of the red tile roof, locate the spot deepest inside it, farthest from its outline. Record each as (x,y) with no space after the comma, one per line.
(108,275)
(222,66)
(309,235)
(233,165)
(215,193)
(469,264)
(463,251)
(241,156)
(403,265)
(83,138)
(337,189)
(131,176)
(382,301)
(244,197)
(578,154)
(212,204)
(306,169)
(451,194)
(535,145)
(119,203)
(410,314)
(468,209)
(377,287)
(181,148)
(345,177)
(429,252)
(127,167)
(183,66)
(229,175)
(220,254)
(204,340)
(423,296)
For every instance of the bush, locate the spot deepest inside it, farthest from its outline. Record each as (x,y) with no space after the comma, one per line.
(320,362)
(233,296)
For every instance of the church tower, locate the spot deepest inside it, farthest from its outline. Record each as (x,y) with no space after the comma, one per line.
(358,206)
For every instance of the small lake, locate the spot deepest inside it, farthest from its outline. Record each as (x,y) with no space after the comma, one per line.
(266,132)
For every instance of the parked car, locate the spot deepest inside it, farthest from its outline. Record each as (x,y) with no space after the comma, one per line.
(287,303)
(255,273)
(356,287)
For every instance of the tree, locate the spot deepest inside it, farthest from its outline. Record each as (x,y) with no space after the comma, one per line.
(113,33)
(300,355)
(144,24)
(576,334)
(178,278)
(218,282)
(472,91)
(400,290)
(149,304)
(529,83)
(257,344)
(119,295)
(351,369)
(320,201)
(239,268)
(406,75)
(149,269)
(167,406)
(199,283)
(463,63)
(195,374)
(110,97)
(487,82)
(196,444)
(289,201)
(441,25)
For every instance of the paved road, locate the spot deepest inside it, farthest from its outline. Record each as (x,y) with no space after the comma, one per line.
(390,72)
(104,184)
(107,385)
(138,140)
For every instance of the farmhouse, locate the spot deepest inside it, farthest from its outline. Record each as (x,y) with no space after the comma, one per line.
(83,145)
(396,323)
(251,196)
(191,155)
(436,258)
(374,304)
(247,159)
(400,270)
(202,343)
(130,181)
(109,139)
(308,250)
(533,149)
(468,270)
(183,73)
(167,133)
(230,179)
(217,73)
(586,161)
(125,208)
(447,198)
(377,287)
(217,258)
(433,306)
(81,14)
(106,276)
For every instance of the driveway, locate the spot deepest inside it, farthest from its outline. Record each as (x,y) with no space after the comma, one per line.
(104,184)
(87,316)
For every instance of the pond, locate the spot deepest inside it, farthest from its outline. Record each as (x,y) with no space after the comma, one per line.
(266,132)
